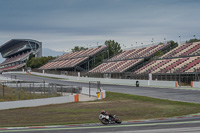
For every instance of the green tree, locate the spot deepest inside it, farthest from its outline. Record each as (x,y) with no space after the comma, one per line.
(193,40)
(173,44)
(113,47)
(34,62)
(158,53)
(77,48)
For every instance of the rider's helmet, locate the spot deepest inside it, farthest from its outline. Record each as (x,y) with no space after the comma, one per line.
(103,111)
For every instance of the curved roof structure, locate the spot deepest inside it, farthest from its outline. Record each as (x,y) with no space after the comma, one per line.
(17,51)
(15,46)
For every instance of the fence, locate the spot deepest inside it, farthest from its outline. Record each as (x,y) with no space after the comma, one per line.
(20,90)
(94,85)
(95,89)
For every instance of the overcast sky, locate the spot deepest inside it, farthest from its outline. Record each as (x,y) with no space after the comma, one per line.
(63,24)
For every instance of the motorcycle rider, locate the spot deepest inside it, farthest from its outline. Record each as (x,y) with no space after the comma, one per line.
(103,112)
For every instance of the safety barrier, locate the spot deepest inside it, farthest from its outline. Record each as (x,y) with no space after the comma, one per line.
(115,81)
(195,84)
(36,102)
(54,100)
(94,92)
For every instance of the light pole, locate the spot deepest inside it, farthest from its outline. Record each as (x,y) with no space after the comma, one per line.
(142,45)
(136,44)
(165,40)
(194,36)
(180,40)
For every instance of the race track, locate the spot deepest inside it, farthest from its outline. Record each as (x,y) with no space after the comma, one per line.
(180,125)
(163,93)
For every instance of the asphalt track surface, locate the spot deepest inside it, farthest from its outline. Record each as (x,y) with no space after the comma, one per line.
(178,125)
(163,93)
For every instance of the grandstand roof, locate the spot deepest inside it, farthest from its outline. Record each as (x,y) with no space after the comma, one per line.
(14,41)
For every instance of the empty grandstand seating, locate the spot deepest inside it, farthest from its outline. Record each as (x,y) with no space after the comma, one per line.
(138,53)
(114,67)
(183,50)
(71,60)
(182,59)
(127,59)
(175,65)
(15,59)
(63,63)
(82,53)
(12,67)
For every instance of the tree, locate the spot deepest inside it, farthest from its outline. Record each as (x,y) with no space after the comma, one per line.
(34,62)
(113,47)
(193,40)
(173,44)
(77,48)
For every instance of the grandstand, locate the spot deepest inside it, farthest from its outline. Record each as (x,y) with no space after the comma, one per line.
(182,59)
(17,51)
(75,61)
(129,60)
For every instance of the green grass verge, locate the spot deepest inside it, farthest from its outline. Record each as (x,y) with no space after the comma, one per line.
(38,75)
(126,106)
(45,76)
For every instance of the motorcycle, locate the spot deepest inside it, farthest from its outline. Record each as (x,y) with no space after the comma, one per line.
(108,119)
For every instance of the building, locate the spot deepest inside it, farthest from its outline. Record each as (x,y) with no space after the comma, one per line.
(17,51)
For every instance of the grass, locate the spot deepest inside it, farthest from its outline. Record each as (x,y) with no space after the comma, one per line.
(10,94)
(45,76)
(39,76)
(126,106)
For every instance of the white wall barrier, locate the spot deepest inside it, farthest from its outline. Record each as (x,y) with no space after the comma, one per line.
(54,100)
(132,82)
(36,102)
(195,84)
(114,81)
(163,83)
(94,92)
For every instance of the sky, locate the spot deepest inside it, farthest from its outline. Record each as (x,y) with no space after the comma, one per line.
(62,24)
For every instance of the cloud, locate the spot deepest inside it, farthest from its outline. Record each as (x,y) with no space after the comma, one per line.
(80,22)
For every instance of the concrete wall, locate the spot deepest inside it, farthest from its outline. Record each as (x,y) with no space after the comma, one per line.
(163,83)
(36,102)
(112,81)
(48,101)
(93,92)
(128,81)
(195,84)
